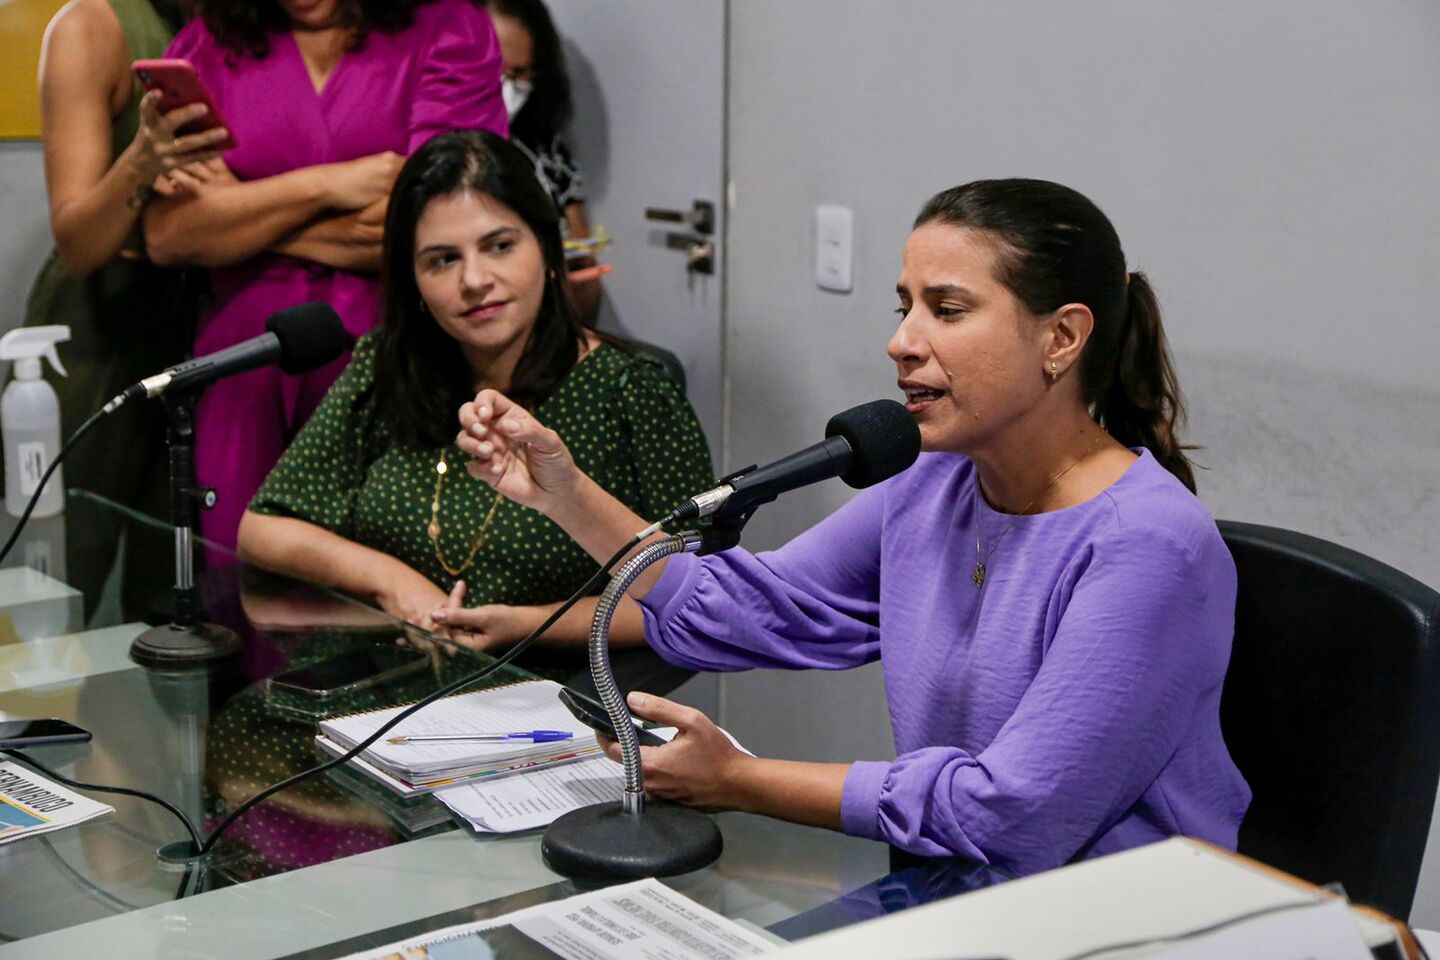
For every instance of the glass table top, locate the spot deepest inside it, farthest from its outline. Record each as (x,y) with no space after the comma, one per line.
(332,865)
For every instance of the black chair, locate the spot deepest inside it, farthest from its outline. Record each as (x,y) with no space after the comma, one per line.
(1331,709)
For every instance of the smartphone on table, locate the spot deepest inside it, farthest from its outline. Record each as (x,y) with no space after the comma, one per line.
(351,671)
(594,716)
(180,86)
(15,734)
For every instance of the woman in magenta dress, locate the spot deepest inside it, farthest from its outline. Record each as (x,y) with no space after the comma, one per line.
(324,98)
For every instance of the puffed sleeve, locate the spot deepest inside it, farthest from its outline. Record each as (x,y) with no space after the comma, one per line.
(459,84)
(192,43)
(1141,648)
(814,603)
(320,476)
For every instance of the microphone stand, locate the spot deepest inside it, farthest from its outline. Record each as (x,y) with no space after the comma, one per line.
(632,839)
(186,642)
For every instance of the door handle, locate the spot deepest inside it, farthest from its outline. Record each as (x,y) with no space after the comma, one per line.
(700,217)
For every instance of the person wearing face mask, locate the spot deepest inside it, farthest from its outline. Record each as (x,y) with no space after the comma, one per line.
(324,97)
(107,147)
(1052,607)
(537,99)
(372,497)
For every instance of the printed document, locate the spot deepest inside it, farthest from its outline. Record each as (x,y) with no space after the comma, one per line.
(644,920)
(31,805)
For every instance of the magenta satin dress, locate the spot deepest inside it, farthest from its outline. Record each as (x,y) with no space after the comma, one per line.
(392,93)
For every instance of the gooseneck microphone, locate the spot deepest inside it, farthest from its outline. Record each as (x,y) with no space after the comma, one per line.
(862,446)
(298,338)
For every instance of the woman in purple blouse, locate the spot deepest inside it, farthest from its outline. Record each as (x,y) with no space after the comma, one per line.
(324,98)
(1052,606)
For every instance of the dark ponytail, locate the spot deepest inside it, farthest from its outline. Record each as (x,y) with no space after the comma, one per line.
(1056,247)
(1143,406)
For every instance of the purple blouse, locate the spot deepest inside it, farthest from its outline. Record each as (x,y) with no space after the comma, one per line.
(1069,708)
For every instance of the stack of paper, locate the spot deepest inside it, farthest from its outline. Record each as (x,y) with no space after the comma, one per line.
(417,767)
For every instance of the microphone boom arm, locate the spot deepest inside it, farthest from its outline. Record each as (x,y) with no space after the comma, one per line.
(628,839)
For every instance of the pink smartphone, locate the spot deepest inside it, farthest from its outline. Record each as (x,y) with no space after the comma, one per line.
(180,86)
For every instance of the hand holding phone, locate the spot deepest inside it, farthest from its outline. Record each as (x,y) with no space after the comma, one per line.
(594,716)
(180,88)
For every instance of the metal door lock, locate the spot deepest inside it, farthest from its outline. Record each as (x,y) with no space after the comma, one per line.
(700,257)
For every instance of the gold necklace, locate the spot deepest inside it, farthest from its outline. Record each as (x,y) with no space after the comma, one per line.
(977,577)
(477,542)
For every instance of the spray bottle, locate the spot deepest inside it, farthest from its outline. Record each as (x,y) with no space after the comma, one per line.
(30,419)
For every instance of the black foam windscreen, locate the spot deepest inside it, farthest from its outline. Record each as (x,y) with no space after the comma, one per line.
(883,440)
(310,336)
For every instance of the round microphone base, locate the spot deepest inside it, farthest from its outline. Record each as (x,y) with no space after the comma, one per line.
(172,647)
(603,840)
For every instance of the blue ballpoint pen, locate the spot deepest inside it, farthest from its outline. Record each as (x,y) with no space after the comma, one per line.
(536,736)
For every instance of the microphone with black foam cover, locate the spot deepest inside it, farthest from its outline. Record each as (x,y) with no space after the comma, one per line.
(862,446)
(299,339)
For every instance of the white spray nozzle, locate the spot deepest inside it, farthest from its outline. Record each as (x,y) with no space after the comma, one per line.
(31,343)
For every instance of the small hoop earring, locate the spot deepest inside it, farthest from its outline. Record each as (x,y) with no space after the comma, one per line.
(424,307)
(1054,371)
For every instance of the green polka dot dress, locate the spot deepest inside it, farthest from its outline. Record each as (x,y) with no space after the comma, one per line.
(627,424)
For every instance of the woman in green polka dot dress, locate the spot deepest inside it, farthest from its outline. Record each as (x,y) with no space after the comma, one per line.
(372,497)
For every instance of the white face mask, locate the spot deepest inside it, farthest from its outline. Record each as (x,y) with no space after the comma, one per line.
(514,93)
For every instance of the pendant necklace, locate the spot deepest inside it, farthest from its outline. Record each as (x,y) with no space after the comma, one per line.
(433,530)
(977,576)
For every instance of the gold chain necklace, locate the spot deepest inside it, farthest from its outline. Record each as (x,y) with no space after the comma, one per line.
(477,542)
(978,576)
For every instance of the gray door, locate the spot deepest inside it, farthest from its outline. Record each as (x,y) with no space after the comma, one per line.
(649,134)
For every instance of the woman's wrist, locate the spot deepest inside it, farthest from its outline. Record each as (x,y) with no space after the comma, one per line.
(743,773)
(138,178)
(574,505)
(314,185)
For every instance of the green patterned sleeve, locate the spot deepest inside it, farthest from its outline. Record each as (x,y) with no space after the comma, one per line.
(320,475)
(672,457)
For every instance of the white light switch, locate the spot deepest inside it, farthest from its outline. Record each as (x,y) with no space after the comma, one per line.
(834,247)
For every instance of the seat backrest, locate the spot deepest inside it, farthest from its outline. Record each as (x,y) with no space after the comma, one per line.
(1331,709)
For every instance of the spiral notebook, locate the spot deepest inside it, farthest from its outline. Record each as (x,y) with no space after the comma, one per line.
(526,705)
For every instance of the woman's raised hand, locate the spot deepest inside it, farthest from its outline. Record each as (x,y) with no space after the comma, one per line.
(520,457)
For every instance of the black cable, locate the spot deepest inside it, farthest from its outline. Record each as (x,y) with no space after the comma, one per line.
(97,788)
(45,477)
(454,687)
(1198,931)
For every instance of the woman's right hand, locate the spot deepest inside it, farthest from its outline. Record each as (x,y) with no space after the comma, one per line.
(516,454)
(356,184)
(158,151)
